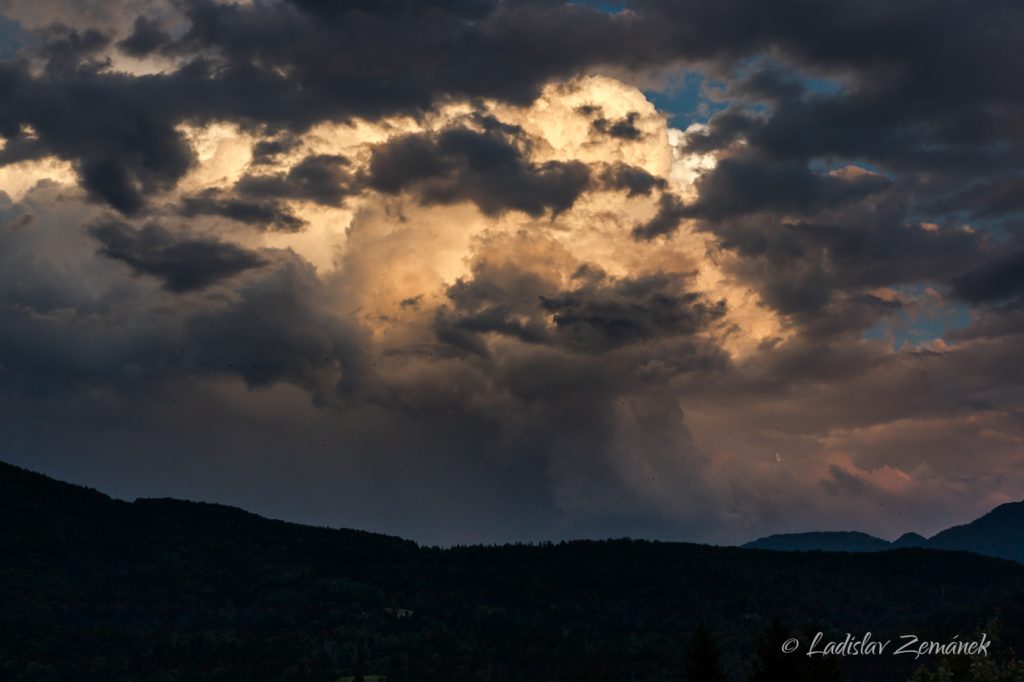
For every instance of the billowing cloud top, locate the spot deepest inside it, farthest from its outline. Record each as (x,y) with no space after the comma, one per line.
(476,270)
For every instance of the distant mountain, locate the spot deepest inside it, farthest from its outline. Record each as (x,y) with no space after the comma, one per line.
(845,541)
(1000,533)
(93,588)
(910,540)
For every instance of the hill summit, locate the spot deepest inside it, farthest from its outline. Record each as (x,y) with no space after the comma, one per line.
(999,533)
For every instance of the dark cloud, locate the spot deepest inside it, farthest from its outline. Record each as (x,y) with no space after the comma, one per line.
(501,298)
(358,60)
(266,214)
(278,331)
(998,197)
(943,142)
(671,211)
(269,319)
(120,137)
(630,310)
(486,168)
(742,185)
(259,199)
(1000,279)
(768,81)
(801,266)
(815,243)
(65,48)
(844,483)
(623,128)
(462,331)
(600,314)
(722,130)
(320,178)
(147,36)
(180,263)
(266,151)
(905,101)
(634,180)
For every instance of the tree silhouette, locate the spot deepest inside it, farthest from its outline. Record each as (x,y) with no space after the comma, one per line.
(701,661)
(771,664)
(822,669)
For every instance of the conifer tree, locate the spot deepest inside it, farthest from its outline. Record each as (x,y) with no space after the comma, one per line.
(701,660)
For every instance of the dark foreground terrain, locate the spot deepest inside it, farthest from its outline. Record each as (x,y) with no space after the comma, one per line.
(93,588)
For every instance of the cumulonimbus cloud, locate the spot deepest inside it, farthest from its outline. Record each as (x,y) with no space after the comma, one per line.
(465,222)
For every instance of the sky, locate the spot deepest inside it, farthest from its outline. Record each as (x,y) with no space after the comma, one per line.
(498,270)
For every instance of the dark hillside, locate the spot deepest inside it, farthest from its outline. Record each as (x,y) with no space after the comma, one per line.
(99,589)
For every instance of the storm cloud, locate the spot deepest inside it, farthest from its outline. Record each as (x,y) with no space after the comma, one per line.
(517,269)
(180,263)
(460,164)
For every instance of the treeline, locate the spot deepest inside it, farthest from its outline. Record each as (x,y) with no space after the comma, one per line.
(773,662)
(164,591)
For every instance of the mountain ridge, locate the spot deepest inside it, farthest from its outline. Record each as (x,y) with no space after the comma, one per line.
(998,533)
